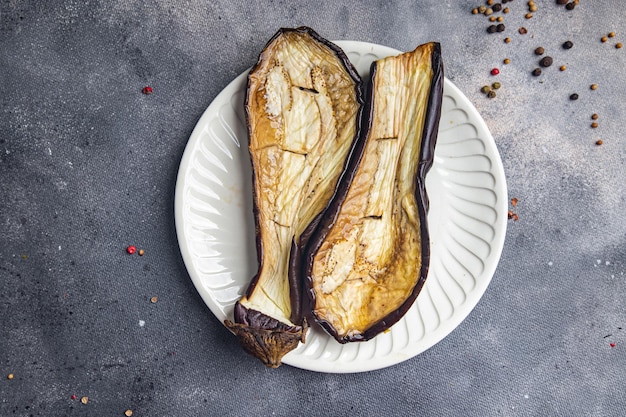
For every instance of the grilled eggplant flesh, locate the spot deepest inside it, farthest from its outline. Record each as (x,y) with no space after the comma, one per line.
(368,257)
(302,105)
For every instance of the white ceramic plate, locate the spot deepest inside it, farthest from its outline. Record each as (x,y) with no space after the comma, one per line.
(467,219)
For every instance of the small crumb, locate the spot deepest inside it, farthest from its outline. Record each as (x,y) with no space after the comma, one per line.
(142,323)
(550,263)
(154,299)
(505,10)
(128,412)
(514,201)
(10,376)
(73,397)
(147,90)
(522,30)
(84,400)
(510,214)
(515,217)
(612,344)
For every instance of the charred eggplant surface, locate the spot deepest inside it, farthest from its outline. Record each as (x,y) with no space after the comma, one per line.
(368,257)
(302,105)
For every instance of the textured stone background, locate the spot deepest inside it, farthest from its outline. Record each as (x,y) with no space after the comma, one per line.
(88,165)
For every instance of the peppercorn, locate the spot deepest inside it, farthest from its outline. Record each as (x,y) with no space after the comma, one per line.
(489,2)
(474,11)
(618,45)
(506,61)
(485,89)
(594,125)
(84,400)
(491,94)
(147,90)
(528,16)
(507,40)
(505,10)
(500,19)
(131,249)
(531,3)
(562,68)
(594,116)
(492,19)
(573,97)
(570,6)
(594,86)
(568,45)
(141,252)
(537,72)
(10,376)
(492,29)
(497,7)
(561,2)
(539,51)
(522,30)
(482,9)
(489,12)
(128,413)
(599,142)
(496,85)
(501,27)
(546,61)
(495,71)
(604,39)
(154,299)
(532,8)
(611,34)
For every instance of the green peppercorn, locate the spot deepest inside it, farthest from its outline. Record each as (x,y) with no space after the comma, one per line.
(485,89)
(491,94)
(496,85)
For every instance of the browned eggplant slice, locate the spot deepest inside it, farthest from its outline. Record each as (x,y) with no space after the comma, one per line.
(302,106)
(368,258)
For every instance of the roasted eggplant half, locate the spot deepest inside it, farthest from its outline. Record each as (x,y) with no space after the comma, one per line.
(368,257)
(302,106)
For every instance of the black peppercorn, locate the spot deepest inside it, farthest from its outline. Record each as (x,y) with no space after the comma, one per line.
(492,29)
(500,27)
(496,7)
(568,45)
(561,2)
(539,51)
(573,97)
(546,62)
(570,6)
(537,72)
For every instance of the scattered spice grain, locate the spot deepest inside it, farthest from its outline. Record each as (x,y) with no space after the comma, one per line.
(496,85)
(515,217)
(562,68)
(495,71)
(539,51)
(514,201)
(528,16)
(475,11)
(594,86)
(497,7)
(505,10)
(599,142)
(567,45)
(482,9)
(611,34)
(491,94)
(612,344)
(507,40)
(485,89)
(147,90)
(537,72)
(128,412)
(141,252)
(506,61)
(618,45)
(561,2)
(604,39)
(492,19)
(522,30)
(594,125)
(594,116)
(570,6)
(546,61)
(573,97)
(492,29)
(500,27)
(154,299)
(84,400)
(500,19)
(532,8)
(489,12)
(10,376)
(489,2)
(73,397)
(131,249)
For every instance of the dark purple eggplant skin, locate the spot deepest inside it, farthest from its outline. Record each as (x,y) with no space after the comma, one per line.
(247,320)
(329,215)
